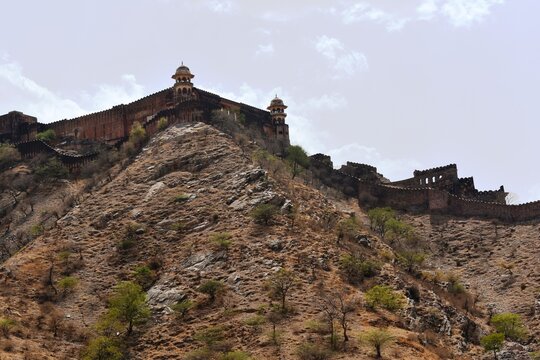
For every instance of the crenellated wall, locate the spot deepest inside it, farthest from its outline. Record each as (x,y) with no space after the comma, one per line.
(420,199)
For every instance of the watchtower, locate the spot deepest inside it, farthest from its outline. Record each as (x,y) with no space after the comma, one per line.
(183,87)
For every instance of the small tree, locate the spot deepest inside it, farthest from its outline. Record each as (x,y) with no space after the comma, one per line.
(274,317)
(212,288)
(137,135)
(280,284)
(379,339)
(378,218)
(510,325)
(347,228)
(264,213)
(103,348)
(385,297)
(297,159)
(128,305)
(144,276)
(493,342)
(356,269)
(182,307)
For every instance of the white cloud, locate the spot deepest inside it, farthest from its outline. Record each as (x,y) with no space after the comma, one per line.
(366,12)
(467,12)
(48,106)
(342,61)
(265,49)
(393,169)
(324,102)
(220,6)
(460,13)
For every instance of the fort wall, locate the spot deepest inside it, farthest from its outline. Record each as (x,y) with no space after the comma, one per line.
(420,199)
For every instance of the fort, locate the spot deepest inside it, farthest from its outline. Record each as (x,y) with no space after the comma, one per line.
(438,190)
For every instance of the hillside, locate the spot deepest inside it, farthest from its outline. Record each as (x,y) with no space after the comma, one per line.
(191,182)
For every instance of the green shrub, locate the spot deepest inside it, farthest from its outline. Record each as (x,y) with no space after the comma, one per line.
(348,228)
(264,213)
(137,135)
(162,123)
(130,236)
(8,155)
(102,348)
(212,288)
(385,297)
(454,285)
(182,307)
(493,342)
(144,276)
(221,240)
(510,325)
(256,320)
(311,351)
(356,269)
(6,325)
(53,169)
(47,135)
(200,354)
(180,198)
(213,338)
(411,259)
(235,355)
(37,230)
(67,284)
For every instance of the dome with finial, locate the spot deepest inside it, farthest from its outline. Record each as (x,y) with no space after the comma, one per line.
(276,102)
(183,71)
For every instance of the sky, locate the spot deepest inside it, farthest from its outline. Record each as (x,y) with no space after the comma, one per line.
(398,84)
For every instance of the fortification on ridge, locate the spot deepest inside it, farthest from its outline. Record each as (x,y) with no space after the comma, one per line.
(437,190)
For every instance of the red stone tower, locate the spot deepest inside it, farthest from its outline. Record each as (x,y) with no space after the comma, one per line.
(277,111)
(183,87)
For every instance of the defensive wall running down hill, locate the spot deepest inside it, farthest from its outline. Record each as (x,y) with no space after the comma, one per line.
(420,199)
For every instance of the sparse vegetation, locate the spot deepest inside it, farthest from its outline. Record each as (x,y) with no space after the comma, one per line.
(67,284)
(279,286)
(311,351)
(222,241)
(385,297)
(235,355)
(182,307)
(144,276)
(264,213)
(411,260)
(378,339)
(212,288)
(47,135)
(103,348)
(180,198)
(8,156)
(347,228)
(36,230)
(378,218)
(6,325)
(137,135)
(162,123)
(52,169)
(355,269)
(493,342)
(297,159)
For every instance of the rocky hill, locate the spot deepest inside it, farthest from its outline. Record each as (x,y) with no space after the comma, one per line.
(162,213)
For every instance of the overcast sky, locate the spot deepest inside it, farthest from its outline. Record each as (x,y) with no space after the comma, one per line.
(399,84)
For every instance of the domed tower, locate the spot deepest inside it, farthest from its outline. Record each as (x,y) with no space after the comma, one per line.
(183,87)
(277,112)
